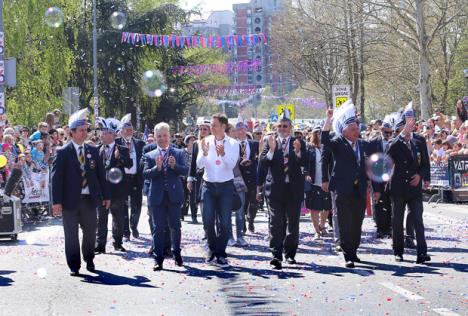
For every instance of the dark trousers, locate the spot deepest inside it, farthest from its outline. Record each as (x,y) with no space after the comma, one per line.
(382,214)
(167,233)
(117,209)
(251,204)
(350,212)
(284,225)
(190,200)
(409,225)
(84,216)
(415,210)
(167,213)
(136,199)
(217,205)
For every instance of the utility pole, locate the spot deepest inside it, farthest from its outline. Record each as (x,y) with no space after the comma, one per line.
(95,84)
(2,62)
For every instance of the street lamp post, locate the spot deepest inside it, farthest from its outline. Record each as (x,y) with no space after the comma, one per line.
(95,85)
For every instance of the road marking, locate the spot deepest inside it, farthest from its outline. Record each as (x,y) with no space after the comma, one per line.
(445,312)
(402,291)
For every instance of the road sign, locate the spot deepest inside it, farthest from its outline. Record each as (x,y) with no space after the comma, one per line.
(340,94)
(290,107)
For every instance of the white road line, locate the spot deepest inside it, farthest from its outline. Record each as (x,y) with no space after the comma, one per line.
(402,291)
(445,312)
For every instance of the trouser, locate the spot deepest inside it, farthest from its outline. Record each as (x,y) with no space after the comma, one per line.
(409,225)
(284,225)
(240,217)
(84,216)
(350,211)
(117,209)
(336,226)
(136,199)
(251,204)
(415,210)
(166,214)
(190,200)
(217,204)
(382,214)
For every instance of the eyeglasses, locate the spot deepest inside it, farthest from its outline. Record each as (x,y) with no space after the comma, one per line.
(283,126)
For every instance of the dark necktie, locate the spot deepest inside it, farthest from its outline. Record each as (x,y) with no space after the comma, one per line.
(243,149)
(81,159)
(286,156)
(165,159)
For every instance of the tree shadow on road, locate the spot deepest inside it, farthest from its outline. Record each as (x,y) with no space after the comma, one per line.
(4,281)
(107,278)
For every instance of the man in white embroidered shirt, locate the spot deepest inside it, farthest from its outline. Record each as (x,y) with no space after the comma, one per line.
(218,156)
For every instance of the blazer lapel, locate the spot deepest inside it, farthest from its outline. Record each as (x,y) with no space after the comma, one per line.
(349,148)
(74,155)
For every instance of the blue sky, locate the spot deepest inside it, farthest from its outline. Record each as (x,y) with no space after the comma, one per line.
(210,5)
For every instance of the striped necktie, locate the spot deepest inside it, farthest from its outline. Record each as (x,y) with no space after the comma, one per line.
(285,156)
(81,159)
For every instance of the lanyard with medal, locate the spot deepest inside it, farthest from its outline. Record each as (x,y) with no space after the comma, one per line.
(108,156)
(218,161)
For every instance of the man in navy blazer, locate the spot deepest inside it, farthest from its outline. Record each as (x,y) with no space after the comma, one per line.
(78,187)
(163,168)
(348,180)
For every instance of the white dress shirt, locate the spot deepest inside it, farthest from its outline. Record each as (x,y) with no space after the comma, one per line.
(318,167)
(84,190)
(218,168)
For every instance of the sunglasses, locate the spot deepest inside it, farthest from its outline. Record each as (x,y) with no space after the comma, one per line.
(283,126)
(388,133)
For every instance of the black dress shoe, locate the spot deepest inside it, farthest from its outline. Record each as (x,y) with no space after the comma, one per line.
(290,260)
(349,264)
(276,264)
(135,233)
(119,248)
(90,266)
(75,273)
(178,260)
(399,258)
(158,266)
(423,258)
(409,243)
(100,250)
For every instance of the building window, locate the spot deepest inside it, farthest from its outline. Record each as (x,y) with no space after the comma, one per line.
(259,77)
(257,20)
(258,29)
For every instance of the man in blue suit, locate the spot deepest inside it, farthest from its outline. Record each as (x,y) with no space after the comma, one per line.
(348,179)
(78,188)
(163,168)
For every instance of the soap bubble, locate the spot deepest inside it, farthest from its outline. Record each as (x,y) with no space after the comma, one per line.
(118,20)
(153,83)
(53,17)
(114,175)
(379,167)
(41,273)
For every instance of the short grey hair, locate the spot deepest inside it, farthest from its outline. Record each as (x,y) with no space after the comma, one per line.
(161,126)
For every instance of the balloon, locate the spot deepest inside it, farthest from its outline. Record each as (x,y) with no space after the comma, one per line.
(379,167)
(114,175)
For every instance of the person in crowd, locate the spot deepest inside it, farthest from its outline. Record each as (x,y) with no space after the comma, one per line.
(218,156)
(42,128)
(282,159)
(348,179)
(411,171)
(114,157)
(134,174)
(190,196)
(164,167)
(78,188)
(317,200)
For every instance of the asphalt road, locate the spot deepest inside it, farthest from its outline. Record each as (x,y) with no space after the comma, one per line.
(34,277)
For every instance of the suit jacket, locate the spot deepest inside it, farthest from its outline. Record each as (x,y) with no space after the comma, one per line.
(138,144)
(275,185)
(249,173)
(157,177)
(146,150)
(66,176)
(408,163)
(327,164)
(346,169)
(120,190)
